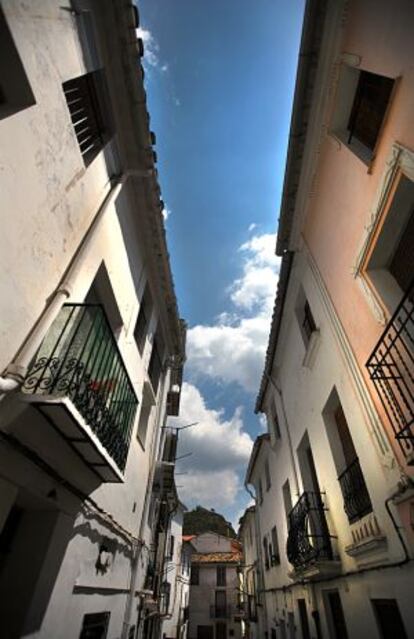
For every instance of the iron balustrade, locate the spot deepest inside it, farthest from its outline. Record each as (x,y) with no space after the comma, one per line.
(391,368)
(308,537)
(79,358)
(357,502)
(220,612)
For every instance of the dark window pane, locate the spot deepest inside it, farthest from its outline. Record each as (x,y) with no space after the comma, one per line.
(95,626)
(368,110)
(144,316)
(308,323)
(402,263)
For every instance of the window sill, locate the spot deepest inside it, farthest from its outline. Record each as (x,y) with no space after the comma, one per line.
(358,150)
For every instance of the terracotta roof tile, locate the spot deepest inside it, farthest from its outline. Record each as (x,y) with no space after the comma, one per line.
(216,557)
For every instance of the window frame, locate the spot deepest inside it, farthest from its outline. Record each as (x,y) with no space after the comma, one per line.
(345,95)
(195,575)
(92,88)
(400,163)
(221,576)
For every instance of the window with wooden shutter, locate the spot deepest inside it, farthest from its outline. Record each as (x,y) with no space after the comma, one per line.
(85,97)
(368,110)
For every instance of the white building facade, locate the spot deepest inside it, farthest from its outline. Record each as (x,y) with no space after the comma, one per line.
(215,598)
(251,577)
(177,575)
(92,344)
(337,555)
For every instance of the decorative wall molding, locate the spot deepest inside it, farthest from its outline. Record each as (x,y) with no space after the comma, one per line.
(372,420)
(400,159)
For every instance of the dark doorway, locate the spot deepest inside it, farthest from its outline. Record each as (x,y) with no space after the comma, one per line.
(304,623)
(389,620)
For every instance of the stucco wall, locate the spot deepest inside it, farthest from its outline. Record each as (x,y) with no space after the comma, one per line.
(345,192)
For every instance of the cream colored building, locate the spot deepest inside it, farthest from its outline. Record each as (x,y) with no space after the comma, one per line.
(333,478)
(214,608)
(251,577)
(92,345)
(177,574)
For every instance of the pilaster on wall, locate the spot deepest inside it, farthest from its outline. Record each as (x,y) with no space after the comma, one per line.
(372,420)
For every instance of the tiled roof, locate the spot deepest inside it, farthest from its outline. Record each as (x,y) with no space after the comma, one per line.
(216,557)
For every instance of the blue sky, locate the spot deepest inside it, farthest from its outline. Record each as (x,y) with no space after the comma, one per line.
(219,79)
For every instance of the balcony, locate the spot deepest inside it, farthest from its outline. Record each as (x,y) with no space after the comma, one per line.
(309,541)
(79,382)
(357,502)
(220,612)
(391,369)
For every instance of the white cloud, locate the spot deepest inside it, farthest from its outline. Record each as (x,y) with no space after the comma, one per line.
(164,68)
(233,349)
(151,48)
(220,450)
(166,213)
(252,226)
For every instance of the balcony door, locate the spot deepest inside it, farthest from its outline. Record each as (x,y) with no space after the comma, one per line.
(357,502)
(317,526)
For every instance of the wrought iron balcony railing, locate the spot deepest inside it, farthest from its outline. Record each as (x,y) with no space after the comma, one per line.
(308,537)
(357,502)
(391,368)
(79,359)
(220,612)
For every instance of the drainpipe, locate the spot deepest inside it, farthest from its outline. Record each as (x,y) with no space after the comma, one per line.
(292,457)
(16,371)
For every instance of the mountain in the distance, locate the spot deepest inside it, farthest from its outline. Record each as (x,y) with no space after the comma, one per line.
(202,520)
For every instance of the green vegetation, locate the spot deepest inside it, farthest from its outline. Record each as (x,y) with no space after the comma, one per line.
(202,520)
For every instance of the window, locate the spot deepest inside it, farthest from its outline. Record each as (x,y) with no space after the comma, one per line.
(266,553)
(145,414)
(273,422)
(221,575)
(165,597)
(267,475)
(221,603)
(95,626)
(15,91)
(260,491)
(368,109)
(362,102)
(307,324)
(389,620)
(357,501)
(88,108)
(156,361)
(195,575)
(335,614)
(287,498)
(221,630)
(389,265)
(275,556)
(171,547)
(304,622)
(144,316)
